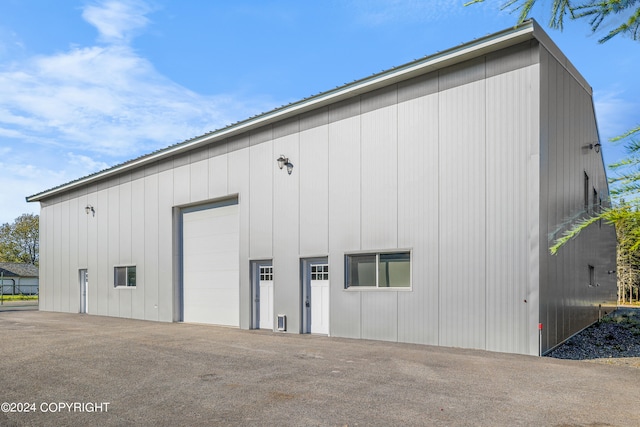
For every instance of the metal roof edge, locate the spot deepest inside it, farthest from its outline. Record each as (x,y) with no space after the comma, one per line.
(505,38)
(555,51)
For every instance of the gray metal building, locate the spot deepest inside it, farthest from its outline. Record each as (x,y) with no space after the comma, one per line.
(415,205)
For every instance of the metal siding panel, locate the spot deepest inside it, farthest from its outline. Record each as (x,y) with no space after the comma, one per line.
(218,148)
(314,191)
(103,267)
(198,155)
(57,254)
(418,87)
(77,228)
(536,239)
(180,159)
(549,295)
(50,285)
(151,169)
(344,222)
(314,119)
(236,143)
(124,224)
(380,315)
(379,185)
(83,250)
(261,135)
(571,127)
(62,299)
(286,225)
(92,246)
(461,74)
(286,127)
(181,185)
(462,216)
(345,306)
(45,253)
(138,241)
(512,58)
(218,177)
(151,247)
(344,109)
(165,246)
(344,185)
(509,101)
(377,99)
(238,179)
(263,165)
(113,253)
(83,231)
(124,245)
(418,221)
(199,181)
(75,224)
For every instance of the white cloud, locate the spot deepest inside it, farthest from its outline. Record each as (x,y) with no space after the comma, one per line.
(19,180)
(102,98)
(85,165)
(616,114)
(380,12)
(89,107)
(105,99)
(117,21)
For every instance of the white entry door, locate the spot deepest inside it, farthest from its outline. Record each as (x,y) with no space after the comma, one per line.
(84,282)
(265,297)
(319,304)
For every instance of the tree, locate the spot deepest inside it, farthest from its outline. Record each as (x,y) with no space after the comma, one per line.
(628,260)
(19,242)
(597,11)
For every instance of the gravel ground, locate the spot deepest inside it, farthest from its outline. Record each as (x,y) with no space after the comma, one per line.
(613,341)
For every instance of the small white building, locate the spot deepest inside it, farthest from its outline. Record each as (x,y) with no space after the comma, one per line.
(416,205)
(18,278)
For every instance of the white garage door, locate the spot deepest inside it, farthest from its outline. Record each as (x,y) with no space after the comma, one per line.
(211,261)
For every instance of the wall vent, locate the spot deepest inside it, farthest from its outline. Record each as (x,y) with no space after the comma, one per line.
(282,322)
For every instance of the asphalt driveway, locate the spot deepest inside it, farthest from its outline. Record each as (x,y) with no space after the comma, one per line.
(76,370)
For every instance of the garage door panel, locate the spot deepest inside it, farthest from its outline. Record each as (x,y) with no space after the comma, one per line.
(201,281)
(211,266)
(212,260)
(203,241)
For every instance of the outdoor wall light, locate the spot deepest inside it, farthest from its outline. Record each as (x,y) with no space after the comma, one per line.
(595,146)
(284,161)
(89,209)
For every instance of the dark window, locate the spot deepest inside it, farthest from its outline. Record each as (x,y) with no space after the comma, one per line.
(380,270)
(124,276)
(586,192)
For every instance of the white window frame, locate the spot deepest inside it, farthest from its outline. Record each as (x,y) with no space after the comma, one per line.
(126,275)
(377,287)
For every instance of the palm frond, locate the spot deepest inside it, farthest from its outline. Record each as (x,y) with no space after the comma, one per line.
(574,231)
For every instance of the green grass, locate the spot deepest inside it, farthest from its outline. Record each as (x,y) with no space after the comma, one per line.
(19,297)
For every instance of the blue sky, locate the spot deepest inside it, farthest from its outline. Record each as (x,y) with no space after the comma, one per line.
(85,85)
